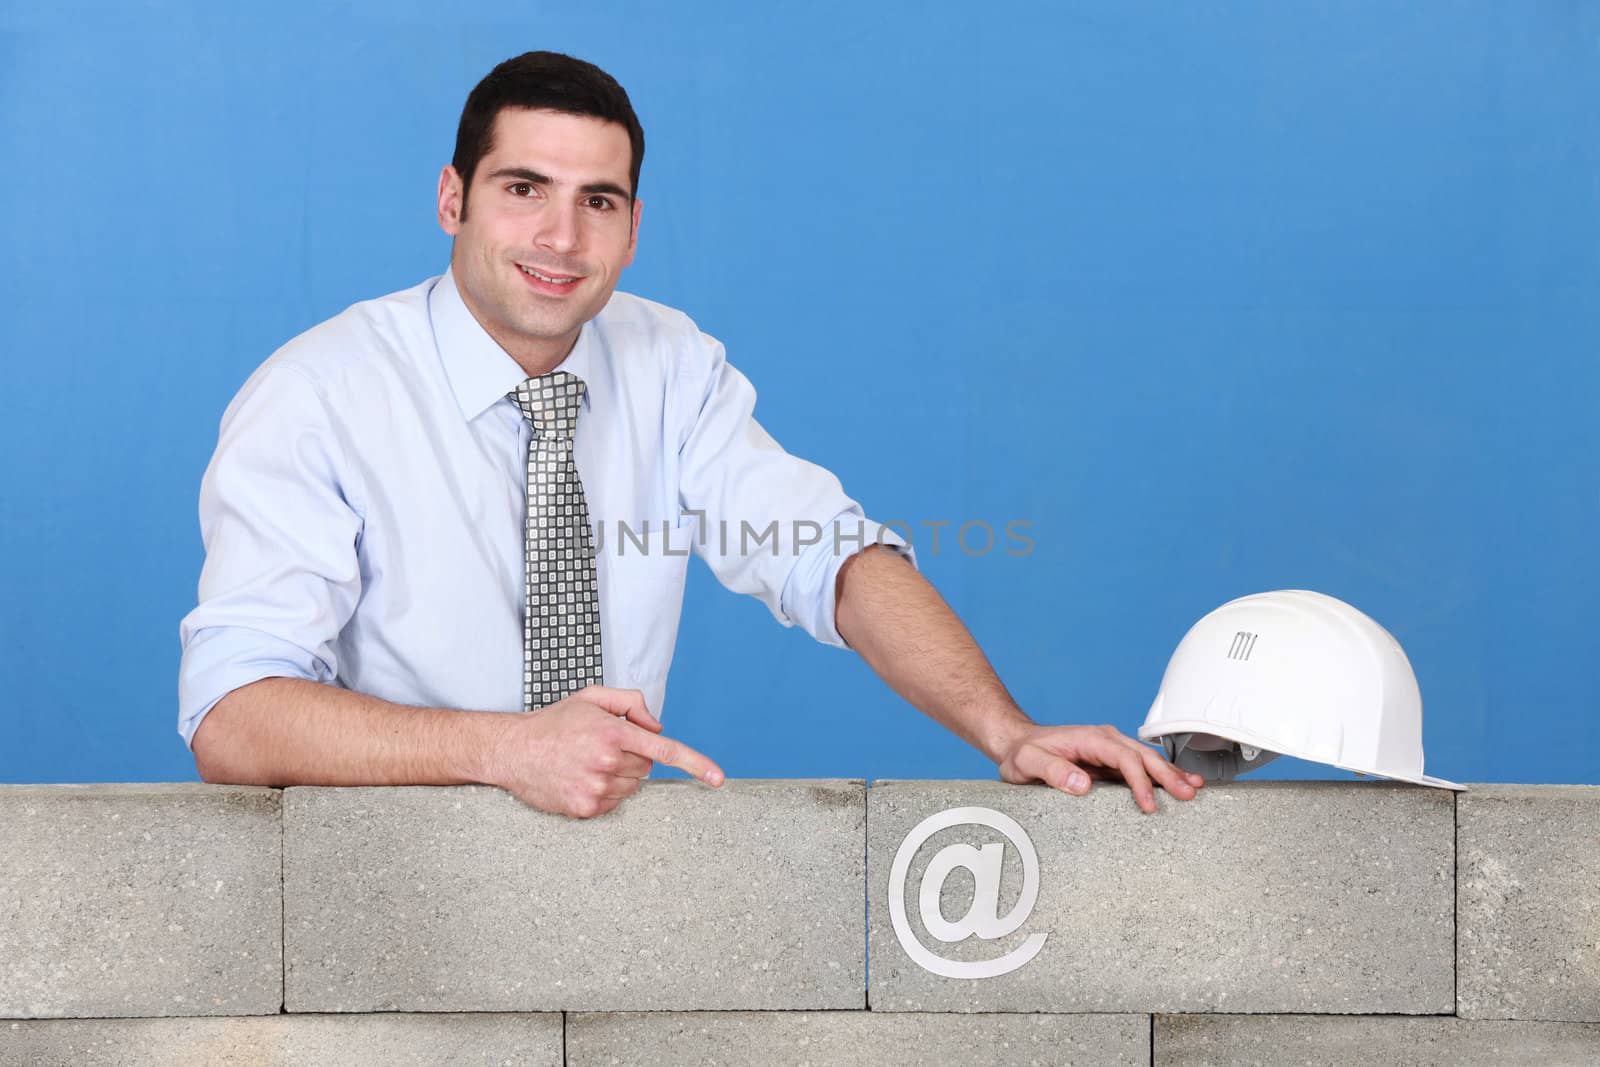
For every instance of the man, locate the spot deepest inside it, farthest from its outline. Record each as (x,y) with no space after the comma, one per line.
(371,545)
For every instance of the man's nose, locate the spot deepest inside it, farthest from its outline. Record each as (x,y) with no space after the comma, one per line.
(558,228)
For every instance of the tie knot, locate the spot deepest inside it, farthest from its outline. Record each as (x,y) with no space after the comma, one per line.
(550,402)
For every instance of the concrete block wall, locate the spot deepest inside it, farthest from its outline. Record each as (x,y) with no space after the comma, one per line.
(1265,922)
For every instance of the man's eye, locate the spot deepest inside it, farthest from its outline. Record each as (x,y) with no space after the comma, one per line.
(522,189)
(600,203)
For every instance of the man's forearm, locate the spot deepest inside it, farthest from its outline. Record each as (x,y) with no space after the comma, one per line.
(288,731)
(899,624)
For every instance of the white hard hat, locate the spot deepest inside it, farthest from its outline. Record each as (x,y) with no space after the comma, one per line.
(1290,673)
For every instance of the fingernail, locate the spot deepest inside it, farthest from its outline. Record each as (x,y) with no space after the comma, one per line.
(716,777)
(1077,781)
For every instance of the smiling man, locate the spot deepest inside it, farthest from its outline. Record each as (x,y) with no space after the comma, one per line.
(401,515)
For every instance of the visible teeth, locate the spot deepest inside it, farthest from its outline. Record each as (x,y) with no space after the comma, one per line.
(546,277)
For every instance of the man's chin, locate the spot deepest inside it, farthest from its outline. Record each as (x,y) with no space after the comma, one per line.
(549,327)
(539,328)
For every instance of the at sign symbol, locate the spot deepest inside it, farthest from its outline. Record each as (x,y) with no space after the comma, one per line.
(981,919)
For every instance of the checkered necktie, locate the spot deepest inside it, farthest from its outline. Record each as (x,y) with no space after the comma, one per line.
(561,624)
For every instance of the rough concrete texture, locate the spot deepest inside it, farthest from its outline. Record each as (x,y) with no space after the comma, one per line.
(825,1039)
(139,900)
(1395,1041)
(684,898)
(1255,897)
(288,1041)
(1528,902)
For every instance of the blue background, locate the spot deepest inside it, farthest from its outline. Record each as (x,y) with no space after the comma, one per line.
(1218,297)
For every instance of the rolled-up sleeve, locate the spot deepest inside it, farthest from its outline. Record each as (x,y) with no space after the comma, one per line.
(280,519)
(771,524)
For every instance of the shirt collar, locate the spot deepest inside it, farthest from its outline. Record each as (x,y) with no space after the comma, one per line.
(479,370)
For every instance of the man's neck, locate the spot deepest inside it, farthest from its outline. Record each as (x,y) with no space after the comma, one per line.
(534,359)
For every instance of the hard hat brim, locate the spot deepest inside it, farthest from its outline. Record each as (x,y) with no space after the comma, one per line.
(1423,779)
(1153,732)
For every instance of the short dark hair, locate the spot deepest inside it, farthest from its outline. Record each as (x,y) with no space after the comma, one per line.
(541,81)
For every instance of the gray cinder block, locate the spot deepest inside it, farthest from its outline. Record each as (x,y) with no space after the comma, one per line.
(139,900)
(460,1040)
(1528,902)
(466,899)
(1255,897)
(1338,1041)
(792,1039)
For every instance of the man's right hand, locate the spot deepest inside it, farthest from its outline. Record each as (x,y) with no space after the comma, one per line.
(584,755)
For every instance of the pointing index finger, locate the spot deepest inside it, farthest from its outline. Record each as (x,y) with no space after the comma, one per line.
(663,749)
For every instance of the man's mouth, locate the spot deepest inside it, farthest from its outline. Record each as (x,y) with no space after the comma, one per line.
(550,279)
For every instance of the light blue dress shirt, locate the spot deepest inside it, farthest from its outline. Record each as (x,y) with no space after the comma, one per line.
(363,512)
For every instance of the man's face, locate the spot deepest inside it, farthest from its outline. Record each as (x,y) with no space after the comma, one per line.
(549,227)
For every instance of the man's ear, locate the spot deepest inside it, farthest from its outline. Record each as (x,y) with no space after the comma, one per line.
(633,232)
(451,192)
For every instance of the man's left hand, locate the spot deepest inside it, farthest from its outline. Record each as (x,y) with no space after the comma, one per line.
(1067,757)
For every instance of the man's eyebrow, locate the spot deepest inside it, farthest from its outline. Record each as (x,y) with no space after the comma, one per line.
(605,187)
(524,174)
